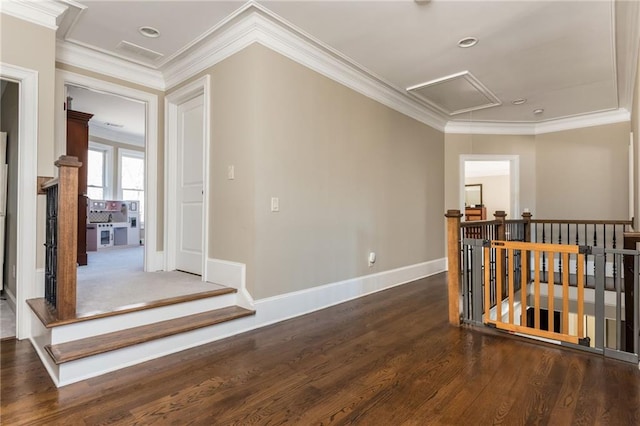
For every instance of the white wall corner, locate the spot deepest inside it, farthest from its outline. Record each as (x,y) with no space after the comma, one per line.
(230,274)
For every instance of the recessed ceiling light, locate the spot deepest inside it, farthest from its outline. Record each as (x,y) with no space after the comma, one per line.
(538,111)
(149,32)
(518,101)
(468,42)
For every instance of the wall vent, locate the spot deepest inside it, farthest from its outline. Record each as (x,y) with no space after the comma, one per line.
(139,51)
(455,94)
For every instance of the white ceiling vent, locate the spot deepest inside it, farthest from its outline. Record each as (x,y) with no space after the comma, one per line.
(139,51)
(455,94)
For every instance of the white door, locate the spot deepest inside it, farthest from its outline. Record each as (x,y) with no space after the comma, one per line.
(190,186)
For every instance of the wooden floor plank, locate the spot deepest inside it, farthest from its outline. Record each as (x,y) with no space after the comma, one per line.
(389,358)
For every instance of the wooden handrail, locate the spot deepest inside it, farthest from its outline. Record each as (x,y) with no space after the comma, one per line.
(48,184)
(583,222)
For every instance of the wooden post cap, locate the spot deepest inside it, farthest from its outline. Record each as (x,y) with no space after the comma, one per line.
(453,213)
(500,213)
(526,215)
(68,161)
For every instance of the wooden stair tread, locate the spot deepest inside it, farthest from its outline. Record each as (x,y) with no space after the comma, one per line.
(48,317)
(82,348)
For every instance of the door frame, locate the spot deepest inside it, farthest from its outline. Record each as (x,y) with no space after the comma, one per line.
(514,178)
(201,86)
(153,258)
(27,285)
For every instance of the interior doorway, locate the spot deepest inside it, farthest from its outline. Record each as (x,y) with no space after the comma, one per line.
(114,186)
(9,143)
(489,183)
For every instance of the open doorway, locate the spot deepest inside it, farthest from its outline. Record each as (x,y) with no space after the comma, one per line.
(115,184)
(9,140)
(489,183)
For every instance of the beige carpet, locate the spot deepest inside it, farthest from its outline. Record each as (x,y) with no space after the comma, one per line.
(114,278)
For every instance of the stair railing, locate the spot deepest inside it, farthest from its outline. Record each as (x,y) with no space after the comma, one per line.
(61,238)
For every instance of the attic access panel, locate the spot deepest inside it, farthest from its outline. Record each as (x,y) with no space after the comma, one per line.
(455,94)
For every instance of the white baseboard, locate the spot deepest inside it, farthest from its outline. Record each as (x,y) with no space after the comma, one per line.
(155,262)
(290,305)
(11,298)
(268,311)
(225,272)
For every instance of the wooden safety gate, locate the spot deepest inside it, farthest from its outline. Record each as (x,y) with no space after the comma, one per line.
(515,310)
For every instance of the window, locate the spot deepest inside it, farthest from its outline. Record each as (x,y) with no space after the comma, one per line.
(132,177)
(98,171)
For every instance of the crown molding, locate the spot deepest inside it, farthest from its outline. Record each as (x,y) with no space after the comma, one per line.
(44,12)
(587,120)
(103,131)
(568,123)
(99,62)
(256,25)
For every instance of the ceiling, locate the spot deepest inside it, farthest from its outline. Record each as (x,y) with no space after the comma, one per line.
(567,58)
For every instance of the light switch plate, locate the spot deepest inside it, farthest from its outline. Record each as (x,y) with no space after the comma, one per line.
(275,204)
(231,172)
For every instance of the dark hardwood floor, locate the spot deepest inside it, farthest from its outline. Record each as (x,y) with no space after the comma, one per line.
(386,359)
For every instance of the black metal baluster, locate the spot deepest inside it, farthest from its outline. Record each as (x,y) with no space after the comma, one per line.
(614,246)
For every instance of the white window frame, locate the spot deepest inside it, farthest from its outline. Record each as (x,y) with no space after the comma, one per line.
(108,167)
(123,152)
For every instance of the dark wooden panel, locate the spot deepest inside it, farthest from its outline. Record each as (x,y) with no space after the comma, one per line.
(78,146)
(388,359)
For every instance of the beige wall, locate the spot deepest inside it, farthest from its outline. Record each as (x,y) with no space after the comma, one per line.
(495,193)
(35,51)
(160,166)
(9,124)
(583,173)
(352,176)
(577,174)
(32,46)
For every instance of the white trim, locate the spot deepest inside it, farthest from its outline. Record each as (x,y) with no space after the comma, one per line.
(290,305)
(26,284)
(151,263)
(567,123)
(123,152)
(201,86)
(11,298)
(256,24)
(514,178)
(107,168)
(492,99)
(103,63)
(44,13)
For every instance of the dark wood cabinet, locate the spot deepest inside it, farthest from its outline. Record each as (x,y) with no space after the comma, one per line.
(475,213)
(78,146)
